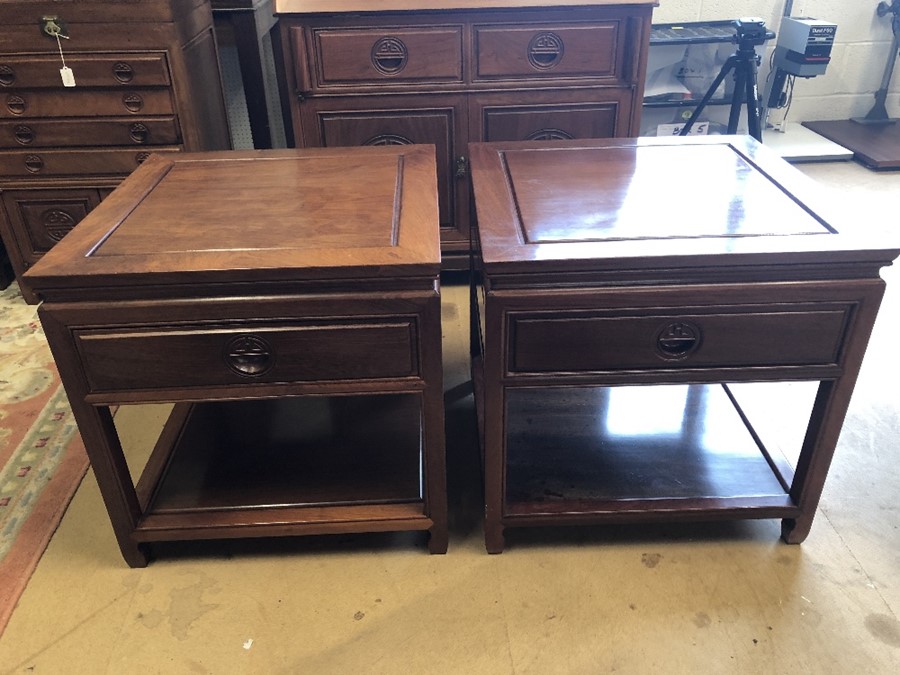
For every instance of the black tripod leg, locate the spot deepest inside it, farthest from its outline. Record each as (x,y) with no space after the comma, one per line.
(754,125)
(740,84)
(726,67)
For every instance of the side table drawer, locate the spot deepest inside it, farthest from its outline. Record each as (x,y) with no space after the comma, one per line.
(215,356)
(44,133)
(102,70)
(547,51)
(376,55)
(562,343)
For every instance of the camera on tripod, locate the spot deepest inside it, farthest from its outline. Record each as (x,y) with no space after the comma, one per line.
(751,32)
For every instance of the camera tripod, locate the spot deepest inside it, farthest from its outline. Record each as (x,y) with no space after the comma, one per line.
(745,63)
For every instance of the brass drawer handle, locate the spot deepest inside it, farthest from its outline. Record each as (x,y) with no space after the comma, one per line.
(678,339)
(249,355)
(545,50)
(24,135)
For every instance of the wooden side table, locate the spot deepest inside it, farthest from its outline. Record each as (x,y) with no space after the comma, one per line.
(288,303)
(703,267)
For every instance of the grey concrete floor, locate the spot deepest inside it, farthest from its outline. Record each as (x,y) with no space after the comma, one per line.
(721,598)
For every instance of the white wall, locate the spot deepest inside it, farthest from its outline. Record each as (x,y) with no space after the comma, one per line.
(858,59)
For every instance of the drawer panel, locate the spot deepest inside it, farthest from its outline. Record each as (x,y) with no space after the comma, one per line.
(101,131)
(42,217)
(49,163)
(726,339)
(211,356)
(547,51)
(409,55)
(559,114)
(80,102)
(106,70)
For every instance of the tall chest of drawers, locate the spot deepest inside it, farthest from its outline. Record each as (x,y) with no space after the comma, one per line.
(450,72)
(146,79)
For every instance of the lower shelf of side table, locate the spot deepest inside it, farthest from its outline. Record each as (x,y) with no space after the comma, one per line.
(666,452)
(303,465)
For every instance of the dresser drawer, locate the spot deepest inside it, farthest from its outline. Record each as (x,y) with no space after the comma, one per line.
(376,55)
(216,356)
(730,338)
(78,102)
(51,163)
(100,131)
(34,72)
(547,51)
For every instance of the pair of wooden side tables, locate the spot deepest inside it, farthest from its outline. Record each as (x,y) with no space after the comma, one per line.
(623,293)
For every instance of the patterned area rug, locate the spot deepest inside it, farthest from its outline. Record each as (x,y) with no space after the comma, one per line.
(42,458)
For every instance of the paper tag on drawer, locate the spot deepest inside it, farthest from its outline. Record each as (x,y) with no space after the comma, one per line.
(699,129)
(68,77)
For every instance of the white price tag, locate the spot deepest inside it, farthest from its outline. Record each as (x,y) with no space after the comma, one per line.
(68,77)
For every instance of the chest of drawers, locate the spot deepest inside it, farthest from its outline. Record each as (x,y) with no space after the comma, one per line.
(450,72)
(146,79)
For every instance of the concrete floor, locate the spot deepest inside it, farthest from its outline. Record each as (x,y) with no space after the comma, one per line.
(723,598)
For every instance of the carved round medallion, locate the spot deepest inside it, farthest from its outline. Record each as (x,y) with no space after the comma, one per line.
(249,355)
(57,223)
(133,102)
(16,104)
(123,72)
(677,339)
(139,132)
(545,50)
(388,139)
(550,135)
(7,75)
(34,163)
(24,135)
(389,55)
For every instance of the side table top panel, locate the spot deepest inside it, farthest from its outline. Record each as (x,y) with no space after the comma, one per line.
(258,215)
(647,203)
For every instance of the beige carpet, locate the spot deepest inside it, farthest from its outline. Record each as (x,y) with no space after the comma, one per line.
(41,453)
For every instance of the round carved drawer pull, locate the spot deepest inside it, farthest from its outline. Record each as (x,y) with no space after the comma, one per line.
(389,55)
(123,72)
(133,102)
(545,50)
(139,133)
(23,134)
(678,339)
(249,355)
(141,157)
(34,163)
(7,76)
(57,223)
(16,104)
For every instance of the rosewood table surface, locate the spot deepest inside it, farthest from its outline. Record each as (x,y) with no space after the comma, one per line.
(708,268)
(287,302)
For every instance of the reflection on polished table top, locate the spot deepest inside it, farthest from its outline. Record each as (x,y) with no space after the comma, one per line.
(705,267)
